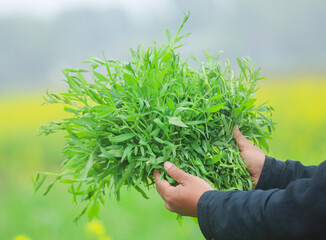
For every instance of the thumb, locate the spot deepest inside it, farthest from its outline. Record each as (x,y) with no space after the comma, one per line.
(175,172)
(240,139)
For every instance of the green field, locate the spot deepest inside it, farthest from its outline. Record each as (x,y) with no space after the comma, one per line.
(300,114)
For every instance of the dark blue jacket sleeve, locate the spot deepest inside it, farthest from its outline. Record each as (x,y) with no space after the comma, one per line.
(296,212)
(278,174)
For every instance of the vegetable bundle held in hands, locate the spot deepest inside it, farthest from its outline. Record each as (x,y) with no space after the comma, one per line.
(128,121)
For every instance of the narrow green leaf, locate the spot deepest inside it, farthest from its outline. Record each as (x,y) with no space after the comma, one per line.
(126,152)
(107,154)
(216,97)
(122,137)
(167,57)
(250,103)
(88,166)
(198,149)
(93,211)
(168,34)
(215,108)
(125,176)
(39,182)
(141,191)
(75,139)
(176,121)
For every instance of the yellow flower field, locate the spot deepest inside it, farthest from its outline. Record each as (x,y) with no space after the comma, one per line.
(300,114)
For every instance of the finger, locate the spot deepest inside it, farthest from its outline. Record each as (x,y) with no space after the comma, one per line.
(168,207)
(240,139)
(176,173)
(157,174)
(162,186)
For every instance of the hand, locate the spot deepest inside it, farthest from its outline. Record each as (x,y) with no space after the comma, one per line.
(251,155)
(183,198)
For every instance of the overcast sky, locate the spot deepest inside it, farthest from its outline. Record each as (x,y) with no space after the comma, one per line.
(50,8)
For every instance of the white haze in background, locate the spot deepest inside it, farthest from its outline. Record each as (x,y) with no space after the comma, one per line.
(41,37)
(52,8)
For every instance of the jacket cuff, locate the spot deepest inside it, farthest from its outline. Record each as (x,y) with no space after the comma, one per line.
(203,213)
(270,176)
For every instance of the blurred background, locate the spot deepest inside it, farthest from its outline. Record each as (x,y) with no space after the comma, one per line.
(39,38)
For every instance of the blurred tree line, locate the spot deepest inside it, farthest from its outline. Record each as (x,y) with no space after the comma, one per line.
(284,37)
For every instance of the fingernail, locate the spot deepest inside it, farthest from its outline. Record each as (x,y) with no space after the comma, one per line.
(167,165)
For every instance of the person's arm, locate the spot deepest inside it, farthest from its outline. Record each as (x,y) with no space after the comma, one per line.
(297,212)
(278,174)
(267,172)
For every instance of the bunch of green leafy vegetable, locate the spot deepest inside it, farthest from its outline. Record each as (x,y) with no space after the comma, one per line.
(128,121)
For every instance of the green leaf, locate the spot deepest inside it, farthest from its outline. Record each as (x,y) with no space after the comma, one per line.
(74,70)
(100,77)
(126,152)
(216,158)
(75,139)
(198,149)
(167,57)
(195,122)
(159,123)
(38,182)
(71,110)
(216,97)
(122,137)
(170,104)
(93,211)
(141,191)
(263,143)
(176,121)
(95,61)
(107,154)
(88,166)
(215,108)
(125,176)
(159,140)
(238,111)
(182,109)
(182,37)
(168,34)
(52,184)
(250,103)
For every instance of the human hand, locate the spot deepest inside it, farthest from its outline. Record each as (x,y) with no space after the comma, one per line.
(251,155)
(183,198)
